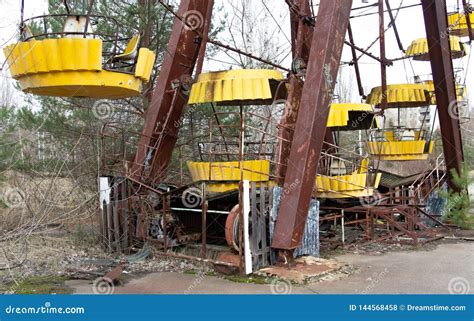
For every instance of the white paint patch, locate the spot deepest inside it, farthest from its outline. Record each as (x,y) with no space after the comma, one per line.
(104,191)
(247,253)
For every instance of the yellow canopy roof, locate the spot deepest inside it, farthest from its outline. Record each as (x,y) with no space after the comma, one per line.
(249,86)
(350,116)
(73,67)
(457,24)
(401,95)
(461,91)
(419,49)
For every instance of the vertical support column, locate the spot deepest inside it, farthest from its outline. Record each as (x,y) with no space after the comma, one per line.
(160,133)
(204,208)
(301,35)
(205,38)
(383,63)
(323,65)
(436,25)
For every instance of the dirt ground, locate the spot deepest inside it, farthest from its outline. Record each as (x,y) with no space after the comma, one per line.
(444,268)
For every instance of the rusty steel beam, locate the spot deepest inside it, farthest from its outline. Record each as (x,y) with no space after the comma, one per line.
(436,25)
(160,133)
(205,39)
(364,52)
(360,87)
(323,65)
(301,35)
(394,25)
(383,65)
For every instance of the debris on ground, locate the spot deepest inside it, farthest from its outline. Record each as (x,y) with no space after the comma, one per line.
(308,269)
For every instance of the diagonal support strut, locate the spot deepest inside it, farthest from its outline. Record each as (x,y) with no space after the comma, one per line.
(324,59)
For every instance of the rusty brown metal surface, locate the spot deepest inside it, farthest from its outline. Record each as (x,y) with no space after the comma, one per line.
(355,62)
(443,77)
(323,65)
(394,25)
(229,226)
(301,35)
(204,208)
(114,274)
(232,263)
(205,39)
(383,65)
(159,134)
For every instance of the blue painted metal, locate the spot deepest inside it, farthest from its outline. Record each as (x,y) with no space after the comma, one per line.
(310,241)
(436,204)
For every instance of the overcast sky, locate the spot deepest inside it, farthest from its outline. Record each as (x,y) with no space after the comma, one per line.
(409,22)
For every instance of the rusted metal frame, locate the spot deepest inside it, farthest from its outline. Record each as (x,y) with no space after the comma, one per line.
(395,29)
(422,211)
(204,209)
(364,52)
(205,38)
(323,65)
(268,120)
(240,52)
(165,210)
(141,219)
(294,22)
(210,155)
(241,192)
(103,223)
(355,62)
(371,225)
(182,50)
(113,274)
(355,222)
(329,218)
(125,215)
(89,11)
(383,65)
(220,129)
(253,238)
(443,77)
(468,20)
(264,194)
(302,34)
(163,135)
(408,228)
(115,210)
(109,226)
